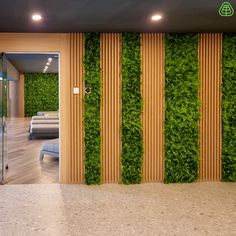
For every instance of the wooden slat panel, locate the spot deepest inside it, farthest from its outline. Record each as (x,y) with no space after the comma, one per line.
(210,53)
(152,50)
(111,106)
(76,165)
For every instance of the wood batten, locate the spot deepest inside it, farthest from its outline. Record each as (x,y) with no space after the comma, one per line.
(152,51)
(76,165)
(210,53)
(111,106)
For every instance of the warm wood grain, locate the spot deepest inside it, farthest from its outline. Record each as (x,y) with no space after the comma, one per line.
(152,56)
(111,106)
(76,158)
(25,167)
(210,53)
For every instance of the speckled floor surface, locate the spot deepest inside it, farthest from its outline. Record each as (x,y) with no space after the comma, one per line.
(146,209)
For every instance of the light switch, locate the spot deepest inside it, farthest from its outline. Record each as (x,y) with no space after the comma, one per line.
(75,90)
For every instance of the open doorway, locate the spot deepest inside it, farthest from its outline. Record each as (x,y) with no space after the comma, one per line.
(68,46)
(33,118)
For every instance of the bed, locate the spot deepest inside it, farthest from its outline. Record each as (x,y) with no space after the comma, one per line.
(49,130)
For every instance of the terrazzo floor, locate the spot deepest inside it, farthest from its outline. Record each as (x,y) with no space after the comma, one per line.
(109,209)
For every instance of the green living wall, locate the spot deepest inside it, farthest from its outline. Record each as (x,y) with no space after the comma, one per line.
(41,93)
(181,108)
(132,146)
(229,107)
(92,109)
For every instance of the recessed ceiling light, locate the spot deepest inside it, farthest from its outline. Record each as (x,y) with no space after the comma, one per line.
(46,67)
(156,17)
(36,17)
(48,63)
(49,59)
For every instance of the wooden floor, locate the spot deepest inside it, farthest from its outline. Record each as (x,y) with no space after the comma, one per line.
(25,167)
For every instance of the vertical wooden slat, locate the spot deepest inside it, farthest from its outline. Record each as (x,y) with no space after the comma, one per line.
(76,165)
(111,106)
(210,53)
(152,53)
(80,83)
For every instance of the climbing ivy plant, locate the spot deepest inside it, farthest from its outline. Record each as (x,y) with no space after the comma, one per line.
(181,108)
(41,93)
(92,108)
(229,107)
(132,147)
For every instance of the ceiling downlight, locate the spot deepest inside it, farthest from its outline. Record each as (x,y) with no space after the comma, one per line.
(156,17)
(36,17)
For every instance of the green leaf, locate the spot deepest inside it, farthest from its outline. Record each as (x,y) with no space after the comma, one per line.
(132,145)
(181,108)
(229,107)
(40,93)
(92,109)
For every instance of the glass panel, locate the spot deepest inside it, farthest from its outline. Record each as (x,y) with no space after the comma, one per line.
(3,115)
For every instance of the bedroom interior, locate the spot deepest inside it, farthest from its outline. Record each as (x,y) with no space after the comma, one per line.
(33,118)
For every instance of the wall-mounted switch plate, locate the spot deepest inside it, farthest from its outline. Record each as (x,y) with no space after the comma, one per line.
(75,90)
(88,90)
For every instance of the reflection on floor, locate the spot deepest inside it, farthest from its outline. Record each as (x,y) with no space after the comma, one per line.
(196,209)
(23,157)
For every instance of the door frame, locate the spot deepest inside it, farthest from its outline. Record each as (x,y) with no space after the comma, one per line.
(4,94)
(50,43)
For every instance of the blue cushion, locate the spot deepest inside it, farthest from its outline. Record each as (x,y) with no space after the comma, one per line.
(50,148)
